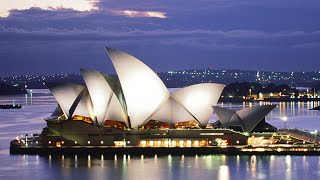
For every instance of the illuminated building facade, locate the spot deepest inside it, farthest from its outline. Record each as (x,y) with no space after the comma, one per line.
(136,109)
(133,98)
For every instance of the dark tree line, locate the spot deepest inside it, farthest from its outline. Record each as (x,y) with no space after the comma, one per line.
(243,89)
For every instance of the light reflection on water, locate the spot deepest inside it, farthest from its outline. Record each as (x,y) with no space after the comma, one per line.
(164,167)
(29,119)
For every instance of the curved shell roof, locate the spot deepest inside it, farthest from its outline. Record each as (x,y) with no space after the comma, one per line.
(198,100)
(253,115)
(65,94)
(172,112)
(143,89)
(106,106)
(84,107)
(247,118)
(136,96)
(225,115)
(100,93)
(115,111)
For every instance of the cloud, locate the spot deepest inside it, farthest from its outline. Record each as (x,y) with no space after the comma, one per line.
(197,38)
(79,5)
(261,31)
(132,13)
(103,32)
(307,45)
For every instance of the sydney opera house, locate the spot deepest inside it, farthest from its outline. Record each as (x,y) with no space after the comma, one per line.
(135,108)
(133,112)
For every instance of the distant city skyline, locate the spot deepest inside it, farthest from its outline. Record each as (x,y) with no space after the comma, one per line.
(182,78)
(112,72)
(60,37)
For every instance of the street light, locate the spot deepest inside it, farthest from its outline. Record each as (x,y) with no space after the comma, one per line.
(285,119)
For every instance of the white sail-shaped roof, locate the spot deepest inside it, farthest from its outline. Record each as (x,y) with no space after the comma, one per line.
(253,115)
(247,118)
(100,93)
(117,89)
(164,113)
(198,100)
(115,111)
(65,94)
(225,115)
(137,94)
(84,107)
(236,121)
(172,112)
(56,114)
(143,89)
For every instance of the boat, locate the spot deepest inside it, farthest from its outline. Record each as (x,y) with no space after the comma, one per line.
(10,106)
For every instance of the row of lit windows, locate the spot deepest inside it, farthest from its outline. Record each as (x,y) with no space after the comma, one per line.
(173,143)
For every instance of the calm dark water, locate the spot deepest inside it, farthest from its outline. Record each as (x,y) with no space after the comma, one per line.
(30,120)
(166,167)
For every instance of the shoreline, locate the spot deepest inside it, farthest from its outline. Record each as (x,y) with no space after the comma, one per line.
(138,151)
(241,100)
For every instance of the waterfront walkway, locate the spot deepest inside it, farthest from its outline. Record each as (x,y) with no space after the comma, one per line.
(301,135)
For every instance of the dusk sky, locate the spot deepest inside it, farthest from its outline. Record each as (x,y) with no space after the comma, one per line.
(62,36)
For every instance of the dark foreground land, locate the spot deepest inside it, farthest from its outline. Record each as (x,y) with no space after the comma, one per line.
(11,90)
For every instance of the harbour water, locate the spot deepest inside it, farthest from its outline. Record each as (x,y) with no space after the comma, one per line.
(29,119)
